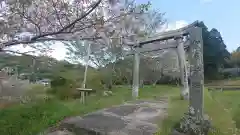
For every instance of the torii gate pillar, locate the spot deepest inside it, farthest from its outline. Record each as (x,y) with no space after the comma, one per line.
(135,86)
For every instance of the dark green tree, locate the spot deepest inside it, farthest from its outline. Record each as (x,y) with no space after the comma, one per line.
(215,52)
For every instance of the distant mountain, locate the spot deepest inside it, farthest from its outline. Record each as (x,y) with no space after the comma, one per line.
(41,66)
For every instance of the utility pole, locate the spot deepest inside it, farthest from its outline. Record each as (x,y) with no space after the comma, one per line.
(86,65)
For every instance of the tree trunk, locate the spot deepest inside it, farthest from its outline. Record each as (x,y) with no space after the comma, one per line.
(111,77)
(86,66)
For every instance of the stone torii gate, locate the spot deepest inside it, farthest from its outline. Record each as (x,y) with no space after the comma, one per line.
(194,44)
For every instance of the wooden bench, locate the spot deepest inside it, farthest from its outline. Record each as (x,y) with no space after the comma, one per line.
(83,92)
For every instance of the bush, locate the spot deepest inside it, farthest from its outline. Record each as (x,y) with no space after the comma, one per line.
(63,88)
(95,82)
(168,80)
(65,93)
(58,81)
(226,75)
(120,80)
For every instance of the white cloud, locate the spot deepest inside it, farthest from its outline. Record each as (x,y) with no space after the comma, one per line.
(176,25)
(173,25)
(59,51)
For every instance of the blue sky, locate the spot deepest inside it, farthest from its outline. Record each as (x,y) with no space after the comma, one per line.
(221,14)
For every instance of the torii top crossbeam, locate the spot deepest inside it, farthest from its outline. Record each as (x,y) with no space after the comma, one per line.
(145,45)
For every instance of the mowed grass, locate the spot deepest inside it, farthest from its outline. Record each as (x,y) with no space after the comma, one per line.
(30,119)
(220,119)
(230,100)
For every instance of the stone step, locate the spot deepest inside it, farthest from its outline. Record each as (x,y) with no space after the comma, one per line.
(135,118)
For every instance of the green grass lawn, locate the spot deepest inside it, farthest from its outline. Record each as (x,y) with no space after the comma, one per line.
(231,101)
(220,119)
(33,118)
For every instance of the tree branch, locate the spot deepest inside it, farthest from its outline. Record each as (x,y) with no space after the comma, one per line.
(11,43)
(24,53)
(56,13)
(94,62)
(23,15)
(69,25)
(38,38)
(42,37)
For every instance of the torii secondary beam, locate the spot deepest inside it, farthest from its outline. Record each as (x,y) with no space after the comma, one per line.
(184,31)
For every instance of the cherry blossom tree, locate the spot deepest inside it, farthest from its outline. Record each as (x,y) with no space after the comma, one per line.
(133,22)
(31,21)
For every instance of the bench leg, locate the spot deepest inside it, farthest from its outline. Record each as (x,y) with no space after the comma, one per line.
(82,97)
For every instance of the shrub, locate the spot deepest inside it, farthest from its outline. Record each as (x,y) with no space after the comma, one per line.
(119,81)
(62,88)
(95,82)
(58,81)
(168,80)
(226,75)
(65,87)
(64,93)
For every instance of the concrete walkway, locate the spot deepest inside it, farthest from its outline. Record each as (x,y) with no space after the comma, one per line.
(132,118)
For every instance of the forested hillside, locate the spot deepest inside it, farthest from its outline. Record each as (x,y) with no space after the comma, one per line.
(39,67)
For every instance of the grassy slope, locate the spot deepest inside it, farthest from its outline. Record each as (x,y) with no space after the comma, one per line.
(31,119)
